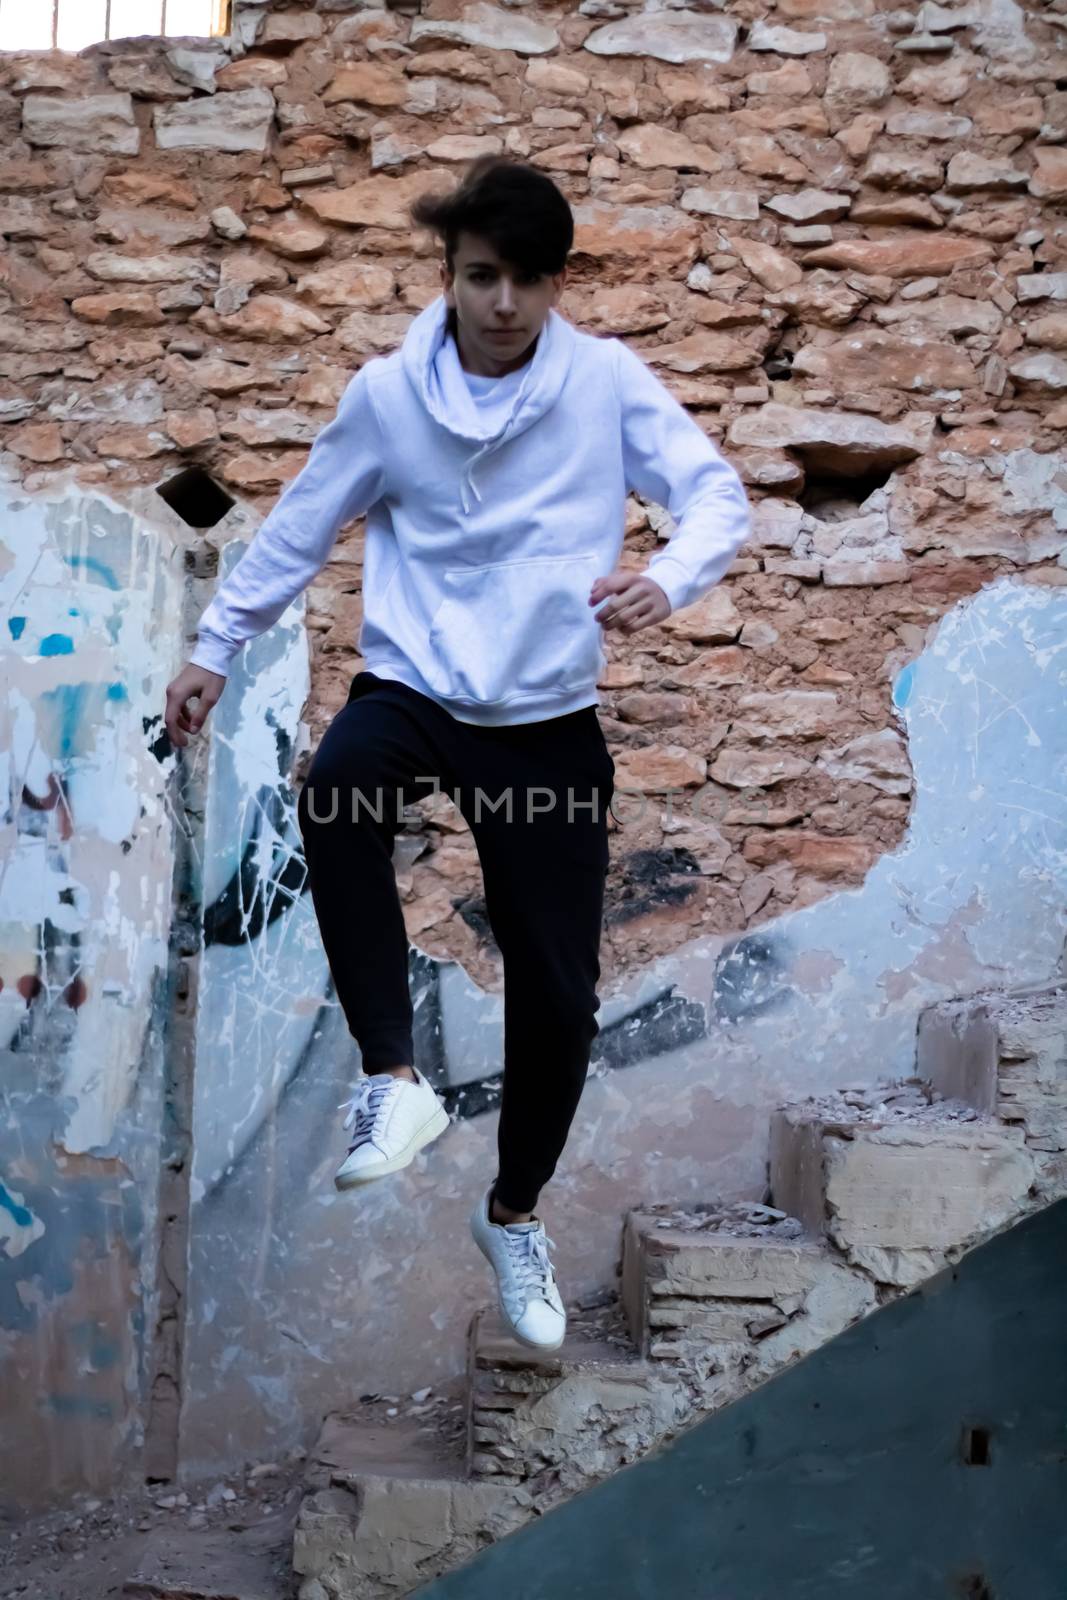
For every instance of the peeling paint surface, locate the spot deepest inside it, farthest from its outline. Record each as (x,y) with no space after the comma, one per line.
(264,974)
(975,895)
(86,862)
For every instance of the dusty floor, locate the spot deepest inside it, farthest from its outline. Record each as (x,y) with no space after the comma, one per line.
(227,1536)
(90,1550)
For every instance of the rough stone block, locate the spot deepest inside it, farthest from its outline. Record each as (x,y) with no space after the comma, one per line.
(956,1050)
(839,442)
(1006,1054)
(100,124)
(237,121)
(668,36)
(896,1198)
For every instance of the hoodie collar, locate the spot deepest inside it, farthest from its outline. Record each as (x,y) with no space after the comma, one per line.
(437,377)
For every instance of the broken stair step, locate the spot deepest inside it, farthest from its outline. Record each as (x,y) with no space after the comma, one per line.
(957,1051)
(390,1506)
(906,1185)
(510,1385)
(713,1273)
(491,1342)
(737,1266)
(351,1446)
(569,1416)
(969,1050)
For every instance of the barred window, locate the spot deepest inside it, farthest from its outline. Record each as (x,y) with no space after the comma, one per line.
(73,24)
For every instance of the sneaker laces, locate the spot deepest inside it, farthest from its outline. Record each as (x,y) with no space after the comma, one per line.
(364,1108)
(528,1257)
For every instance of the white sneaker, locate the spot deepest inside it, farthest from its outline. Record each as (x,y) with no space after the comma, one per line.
(525,1280)
(392,1119)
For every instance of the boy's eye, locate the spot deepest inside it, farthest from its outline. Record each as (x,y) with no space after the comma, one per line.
(479,277)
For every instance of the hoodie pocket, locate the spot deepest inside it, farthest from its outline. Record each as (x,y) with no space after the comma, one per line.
(515,629)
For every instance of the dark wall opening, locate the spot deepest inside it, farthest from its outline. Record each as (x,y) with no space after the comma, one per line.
(196,497)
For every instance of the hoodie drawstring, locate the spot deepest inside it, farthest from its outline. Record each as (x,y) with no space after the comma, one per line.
(474,490)
(468,474)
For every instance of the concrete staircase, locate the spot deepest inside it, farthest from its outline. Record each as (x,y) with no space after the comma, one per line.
(874,1190)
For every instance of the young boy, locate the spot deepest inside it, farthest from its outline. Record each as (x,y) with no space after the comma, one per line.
(492,454)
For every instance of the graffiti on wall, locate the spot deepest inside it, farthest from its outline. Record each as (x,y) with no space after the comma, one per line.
(85,899)
(85,908)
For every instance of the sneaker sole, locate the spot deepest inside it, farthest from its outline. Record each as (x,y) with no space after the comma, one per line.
(531,1344)
(428,1132)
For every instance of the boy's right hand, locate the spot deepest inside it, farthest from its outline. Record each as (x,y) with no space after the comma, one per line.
(191,683)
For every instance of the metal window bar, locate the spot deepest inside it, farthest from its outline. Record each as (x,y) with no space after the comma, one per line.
(218,22)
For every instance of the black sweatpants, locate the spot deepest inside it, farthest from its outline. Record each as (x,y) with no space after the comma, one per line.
(543,872)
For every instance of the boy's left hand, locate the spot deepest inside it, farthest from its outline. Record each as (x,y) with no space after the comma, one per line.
(636,601)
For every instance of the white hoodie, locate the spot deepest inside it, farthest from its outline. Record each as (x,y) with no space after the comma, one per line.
(485,532)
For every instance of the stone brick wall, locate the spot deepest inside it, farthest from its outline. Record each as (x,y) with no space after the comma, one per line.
(834,227)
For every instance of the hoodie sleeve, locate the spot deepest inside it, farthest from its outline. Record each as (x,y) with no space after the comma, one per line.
(668,458)
(342,476)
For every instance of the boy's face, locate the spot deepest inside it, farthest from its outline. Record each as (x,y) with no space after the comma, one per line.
(491,294)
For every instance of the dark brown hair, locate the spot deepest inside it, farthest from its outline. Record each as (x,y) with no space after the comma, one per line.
(516,207)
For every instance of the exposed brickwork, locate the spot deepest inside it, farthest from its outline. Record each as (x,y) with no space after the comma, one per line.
(835,228)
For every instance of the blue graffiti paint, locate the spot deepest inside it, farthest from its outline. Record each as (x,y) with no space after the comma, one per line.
(70,701)
(16,625)
(22,1216)
(902,685)
(57,644)
(81,1217)
(96,568)
(73,612)
(117,691)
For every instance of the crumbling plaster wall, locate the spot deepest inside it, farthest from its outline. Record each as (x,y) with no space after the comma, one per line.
(835,228)
(87,1012)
